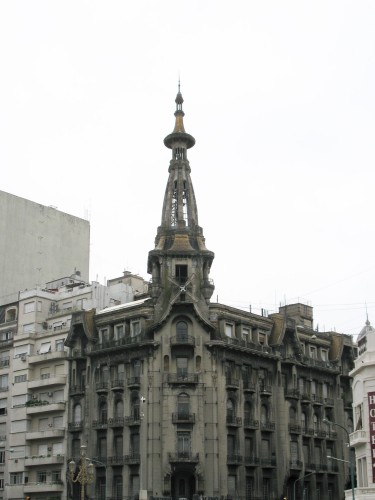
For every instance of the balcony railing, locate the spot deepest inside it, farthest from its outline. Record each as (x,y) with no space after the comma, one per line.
(251,460)
(234,458)
(116,422)
(232,382)
(101,386)
(267,426)
(75,426)
(251,423)
(295,429)
(234,421)
(183,340)
(117,384)
(183,456)
(76,389)
(132,458)
(134,381)
(293,393)
(248,385)
(186,378)
(183,417)
(100,424)
(358,437)
(133,420)
(295,464)
(125,341)
(268,462)
(116,460)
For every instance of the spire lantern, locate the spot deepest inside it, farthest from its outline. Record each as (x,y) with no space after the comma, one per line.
(179,137)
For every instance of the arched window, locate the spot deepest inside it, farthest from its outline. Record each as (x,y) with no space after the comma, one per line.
(103,412)
(119,409)
(303,422)
(181,331)
(198,362)
(77,414)
(183,406)
(316,423)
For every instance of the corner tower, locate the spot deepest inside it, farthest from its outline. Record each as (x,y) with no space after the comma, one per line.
(180,262)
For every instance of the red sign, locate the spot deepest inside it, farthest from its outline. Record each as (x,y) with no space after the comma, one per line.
(371,413)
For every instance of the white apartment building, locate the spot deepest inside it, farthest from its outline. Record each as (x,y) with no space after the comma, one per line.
(363,436)
(34,383)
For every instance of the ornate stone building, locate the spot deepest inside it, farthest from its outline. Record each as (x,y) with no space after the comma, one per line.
(177,396)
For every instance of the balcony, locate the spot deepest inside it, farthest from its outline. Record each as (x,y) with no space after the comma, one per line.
(182,341)
(250,423)
(43,407)
(183,457)
(43,487)
(117,460)
(50,434)
(75,426)
(294,429)
(117,385)
(329,401)
(358,437)
(232,382)
(308,431)
(183,418)
(47,356)
(234,459)
(251,461)
(134,382)
(292,394)
(133,420)
(265,389)
(100,424)
(185,378)
(101,386)
(317,400)
(268,462)
(116,422)
(267,426)
(76,390)
(248,386)
(47,381)
(233,421)
(132,459)
(44,460)
(320,434)
(295,464)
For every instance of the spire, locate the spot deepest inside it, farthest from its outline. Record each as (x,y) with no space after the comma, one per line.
(180,259)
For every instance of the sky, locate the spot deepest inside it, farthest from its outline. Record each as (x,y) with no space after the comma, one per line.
(279,96)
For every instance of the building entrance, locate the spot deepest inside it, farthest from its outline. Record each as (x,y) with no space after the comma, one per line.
(183,485)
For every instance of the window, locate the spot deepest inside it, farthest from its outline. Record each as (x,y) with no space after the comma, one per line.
(182,368)
(232,485)
(45,347)
(77,414)
(20,378)
(104,335)
(135,328)
(229,328)
(120,331)
(119,409)
(134,444)
(103,412)
(1,483)
(19,400)
(183,406)
(21,350)
(181,273)
(313,352)
(57,423)
(2,455)
(4,382)
(16,478)
(59,345)
(183,444)
(39,306)
(117,486)
(134,485)
(230,410)
(118,445)
(81,303)
(181,330)
(29,328)
(56,476)
(29,307)
(294,452)
(10,315)
(324,355)
(246,334)
(3,406)
(42,476)
(67,305)
(135,407)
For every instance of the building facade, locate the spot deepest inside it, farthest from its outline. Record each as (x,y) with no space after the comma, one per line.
(34,389)
(362,438)
(179,397)
(37,244)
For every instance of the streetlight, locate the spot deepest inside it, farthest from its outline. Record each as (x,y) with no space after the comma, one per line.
(300,479)
(350,462)
(86,472)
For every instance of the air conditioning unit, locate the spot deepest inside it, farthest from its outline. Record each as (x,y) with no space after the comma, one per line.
(50,394)
(23,357)
(49,448)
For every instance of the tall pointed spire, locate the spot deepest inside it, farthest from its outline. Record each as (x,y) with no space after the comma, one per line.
(180,254)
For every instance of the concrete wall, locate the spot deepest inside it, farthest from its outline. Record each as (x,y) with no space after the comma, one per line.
(38,244)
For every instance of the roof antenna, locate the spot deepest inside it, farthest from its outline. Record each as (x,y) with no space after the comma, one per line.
(179,81)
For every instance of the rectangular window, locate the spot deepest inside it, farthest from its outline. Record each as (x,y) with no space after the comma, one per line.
(120,331)
(20,378)
(183,444)
(16,478)
(324,355)
(58,423)
(19,400)
(246,334)
(42,476)
(21,350)
(29,307)
(232,485)
(313,352)
(3,406)
(181,273)
(29,328)
(18,426)
(39,306)
(45,347)
(182,368)
(67,305)
(229,329)
(1,483)
(135,328)
(4,382)
(59,345)
(56,476)
(2,455)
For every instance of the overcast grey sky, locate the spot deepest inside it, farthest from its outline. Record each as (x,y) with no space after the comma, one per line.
(280,98)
